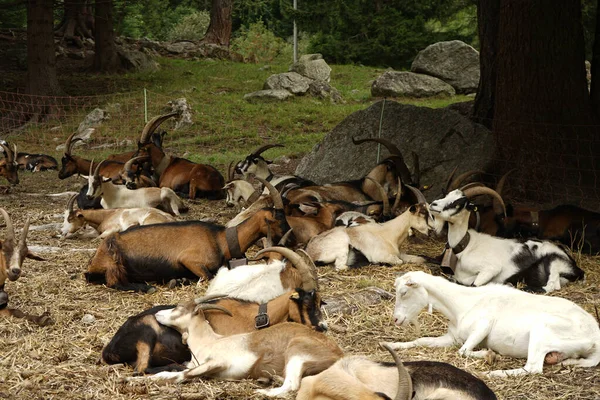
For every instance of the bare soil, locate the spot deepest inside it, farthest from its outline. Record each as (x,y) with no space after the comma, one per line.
(60,361)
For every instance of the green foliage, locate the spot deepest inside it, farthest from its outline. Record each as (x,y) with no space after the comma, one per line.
(14,17)
(257,44)
(191,27)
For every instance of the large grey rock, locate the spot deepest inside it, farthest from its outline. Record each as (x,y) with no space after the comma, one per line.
(182,107)
(312,66)
(442,139)
(409,84)
(136,60)
(180,47)
(324,90)
(454,62)
(290,81)
(267,95)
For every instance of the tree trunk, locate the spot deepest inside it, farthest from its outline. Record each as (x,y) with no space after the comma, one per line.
(41,59)
(219,29)
(595,70)
(106,58)
(487,17)
(541,103)
(78,20)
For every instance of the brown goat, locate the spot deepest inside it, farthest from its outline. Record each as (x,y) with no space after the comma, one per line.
(72,165)
(179,174)
(12,255)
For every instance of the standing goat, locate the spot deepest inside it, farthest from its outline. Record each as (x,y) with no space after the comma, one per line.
(503,319)
(118,196)
(358,378)
(482,258)
(288,349)
(12,255)
(110,221)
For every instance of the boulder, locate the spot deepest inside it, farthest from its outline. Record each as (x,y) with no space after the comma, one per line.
(442,139)
(324,90)
(267,95)
(409,84)
(454,62)
(180,47)
(290,81)
(313,67)
(182,107)
(136,60)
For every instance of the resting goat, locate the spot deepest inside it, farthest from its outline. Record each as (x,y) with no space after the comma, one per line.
(12,255)
(503,319)
(72,165)
(36,162)
(179,174)
(358,378)
(482,258)
(379,243)
(288,349)
(118,196)
(174,250)
(110,221)
(151,347)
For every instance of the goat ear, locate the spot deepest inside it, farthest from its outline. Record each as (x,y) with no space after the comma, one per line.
(34,256)
(295,296)
(196,309)
(106,179)
(412,284)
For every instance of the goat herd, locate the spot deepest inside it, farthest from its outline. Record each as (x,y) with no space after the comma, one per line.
(263,319)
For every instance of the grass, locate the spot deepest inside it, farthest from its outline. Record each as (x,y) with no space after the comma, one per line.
(226,127)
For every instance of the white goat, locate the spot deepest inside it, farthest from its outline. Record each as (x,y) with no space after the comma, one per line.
(482,258)
(288,349)
(110,221)
(379,243)
(503,319)
(240,193)
(118,196)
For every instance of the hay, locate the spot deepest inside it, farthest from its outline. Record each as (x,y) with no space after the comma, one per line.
(60,361)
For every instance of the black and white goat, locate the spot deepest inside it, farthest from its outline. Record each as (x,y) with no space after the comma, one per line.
(503,319)
(481,258)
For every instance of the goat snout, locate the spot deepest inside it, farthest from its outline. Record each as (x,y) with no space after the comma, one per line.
(14,273)
(399,321)
(322,327)
(131,185)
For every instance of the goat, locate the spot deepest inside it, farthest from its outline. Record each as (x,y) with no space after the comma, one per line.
(358,378)
(188,249)
(118,196)
(263,282)
(36,162)
(482,258)
(110,221)
(379,243)
(504,319)
(8,165)
(12,255)
(151,347)
(288,349)
(137,177)
(71,165)
(179,174)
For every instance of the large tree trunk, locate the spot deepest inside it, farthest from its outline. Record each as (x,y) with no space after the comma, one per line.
(78,20)
(219,29)
(487,17)
(541,105)
(106,58)
(595,71)
(41,59)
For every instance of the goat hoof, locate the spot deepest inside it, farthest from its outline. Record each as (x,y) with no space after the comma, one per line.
(172,283)
(151,290)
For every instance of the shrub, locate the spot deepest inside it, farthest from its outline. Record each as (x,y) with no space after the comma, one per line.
(257,44)
(191,27)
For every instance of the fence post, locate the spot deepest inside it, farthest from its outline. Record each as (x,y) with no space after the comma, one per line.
(145,106)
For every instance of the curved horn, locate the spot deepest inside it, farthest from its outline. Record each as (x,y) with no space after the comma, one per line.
(398,196)
(418,194)
(231,171)
(499,187)
(10,230)
(275,195)
(308,271)
(265,147)
(388,144)
(405,390)
(205,307)
(23,241)
(449,180)
(97,170)
(479,190)
(71,202)
(459,179)
(130,162)
(9,154)
(384,197)
(210,297)
(70,142)
(285,237)
(153,124)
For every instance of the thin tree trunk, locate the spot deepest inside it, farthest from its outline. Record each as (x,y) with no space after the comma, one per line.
(487,17)
(78,20)
(219,29)
(106,58)
(41,59)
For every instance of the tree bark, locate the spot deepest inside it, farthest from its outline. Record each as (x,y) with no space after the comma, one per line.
(487,17)
(219,29)
(595,70)
(105,58)
(541,106)
(78,20)
(41,59)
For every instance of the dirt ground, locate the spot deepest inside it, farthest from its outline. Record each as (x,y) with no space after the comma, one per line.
(60,361)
